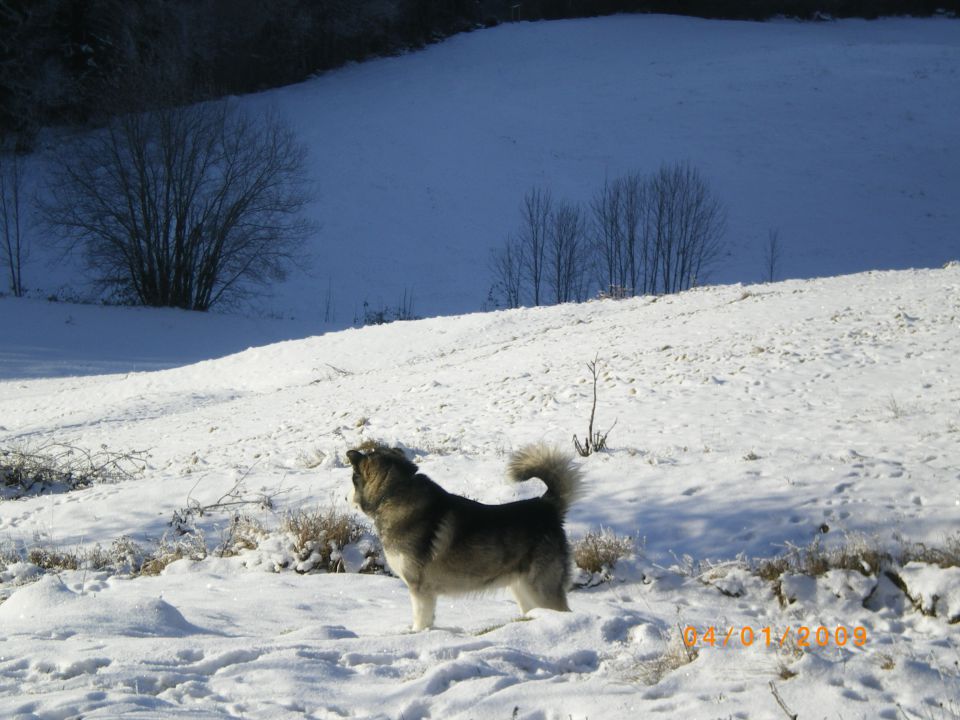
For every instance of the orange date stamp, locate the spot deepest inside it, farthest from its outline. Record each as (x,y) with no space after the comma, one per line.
(803,636)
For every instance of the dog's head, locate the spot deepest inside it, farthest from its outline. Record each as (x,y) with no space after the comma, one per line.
(376,474)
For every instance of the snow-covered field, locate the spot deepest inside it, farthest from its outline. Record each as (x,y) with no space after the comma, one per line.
(842,136)
(748,419)
(751,420)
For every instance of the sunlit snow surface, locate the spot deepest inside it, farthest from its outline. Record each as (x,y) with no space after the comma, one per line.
(747,418)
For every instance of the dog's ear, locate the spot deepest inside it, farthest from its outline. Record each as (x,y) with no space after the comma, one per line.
(355,456)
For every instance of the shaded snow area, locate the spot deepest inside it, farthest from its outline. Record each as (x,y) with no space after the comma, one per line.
(841,136)
(751,422)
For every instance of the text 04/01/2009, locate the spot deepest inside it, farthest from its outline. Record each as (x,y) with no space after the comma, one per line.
(802,635)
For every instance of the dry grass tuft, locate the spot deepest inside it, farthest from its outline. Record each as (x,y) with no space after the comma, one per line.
(814,560)
(886,661)
(57,467)
(675,655)
(947,556)
(319,536)
(8,555)
(859,554)
(124,556)
(191,546)
(784,672)
(600,550)
(244,533)
(55,559)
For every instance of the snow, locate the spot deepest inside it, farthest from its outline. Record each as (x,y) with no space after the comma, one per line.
(935,592)
(749,420)
(842,136)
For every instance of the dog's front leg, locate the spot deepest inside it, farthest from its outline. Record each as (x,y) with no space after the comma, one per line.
(424,609)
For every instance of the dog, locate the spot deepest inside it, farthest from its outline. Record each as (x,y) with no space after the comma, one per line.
(440,543)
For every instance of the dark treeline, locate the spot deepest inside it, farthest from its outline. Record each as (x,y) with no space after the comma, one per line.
(77,61)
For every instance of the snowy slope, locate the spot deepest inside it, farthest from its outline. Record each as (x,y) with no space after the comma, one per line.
(843,136)
(54,339)
(748,418)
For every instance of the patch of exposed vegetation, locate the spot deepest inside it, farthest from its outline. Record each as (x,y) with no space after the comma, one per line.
(60,467)
(319,538)
(598,552)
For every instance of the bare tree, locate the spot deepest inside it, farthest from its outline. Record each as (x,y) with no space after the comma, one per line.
(546,261)
(12,238)
(507,265)
(632,198)
(771,255)
(617,211)
(566,259)
(608,245)
(654,234)
(534,231)
(683,225)
(184,206)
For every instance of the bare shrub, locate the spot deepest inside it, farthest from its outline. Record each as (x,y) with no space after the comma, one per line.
(124,556)
(236,498)
(946,556)
(319,537)
(771,569)
(184,206)
(54,559)
(814,560)
(383,315)
(595,440)
(8,555)
(244,533)
(191,546)
(59,467)
(599,551)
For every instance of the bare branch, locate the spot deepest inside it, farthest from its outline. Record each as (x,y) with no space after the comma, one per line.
(594,441)
(783,706)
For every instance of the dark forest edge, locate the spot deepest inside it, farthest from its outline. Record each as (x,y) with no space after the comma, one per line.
(78,62)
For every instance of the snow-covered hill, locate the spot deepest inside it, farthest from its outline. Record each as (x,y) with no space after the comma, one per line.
(749,419)
(842,136)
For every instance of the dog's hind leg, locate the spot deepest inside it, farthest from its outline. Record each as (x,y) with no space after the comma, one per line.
(424,609)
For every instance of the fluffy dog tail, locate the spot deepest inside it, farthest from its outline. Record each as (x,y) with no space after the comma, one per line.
(554,467)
